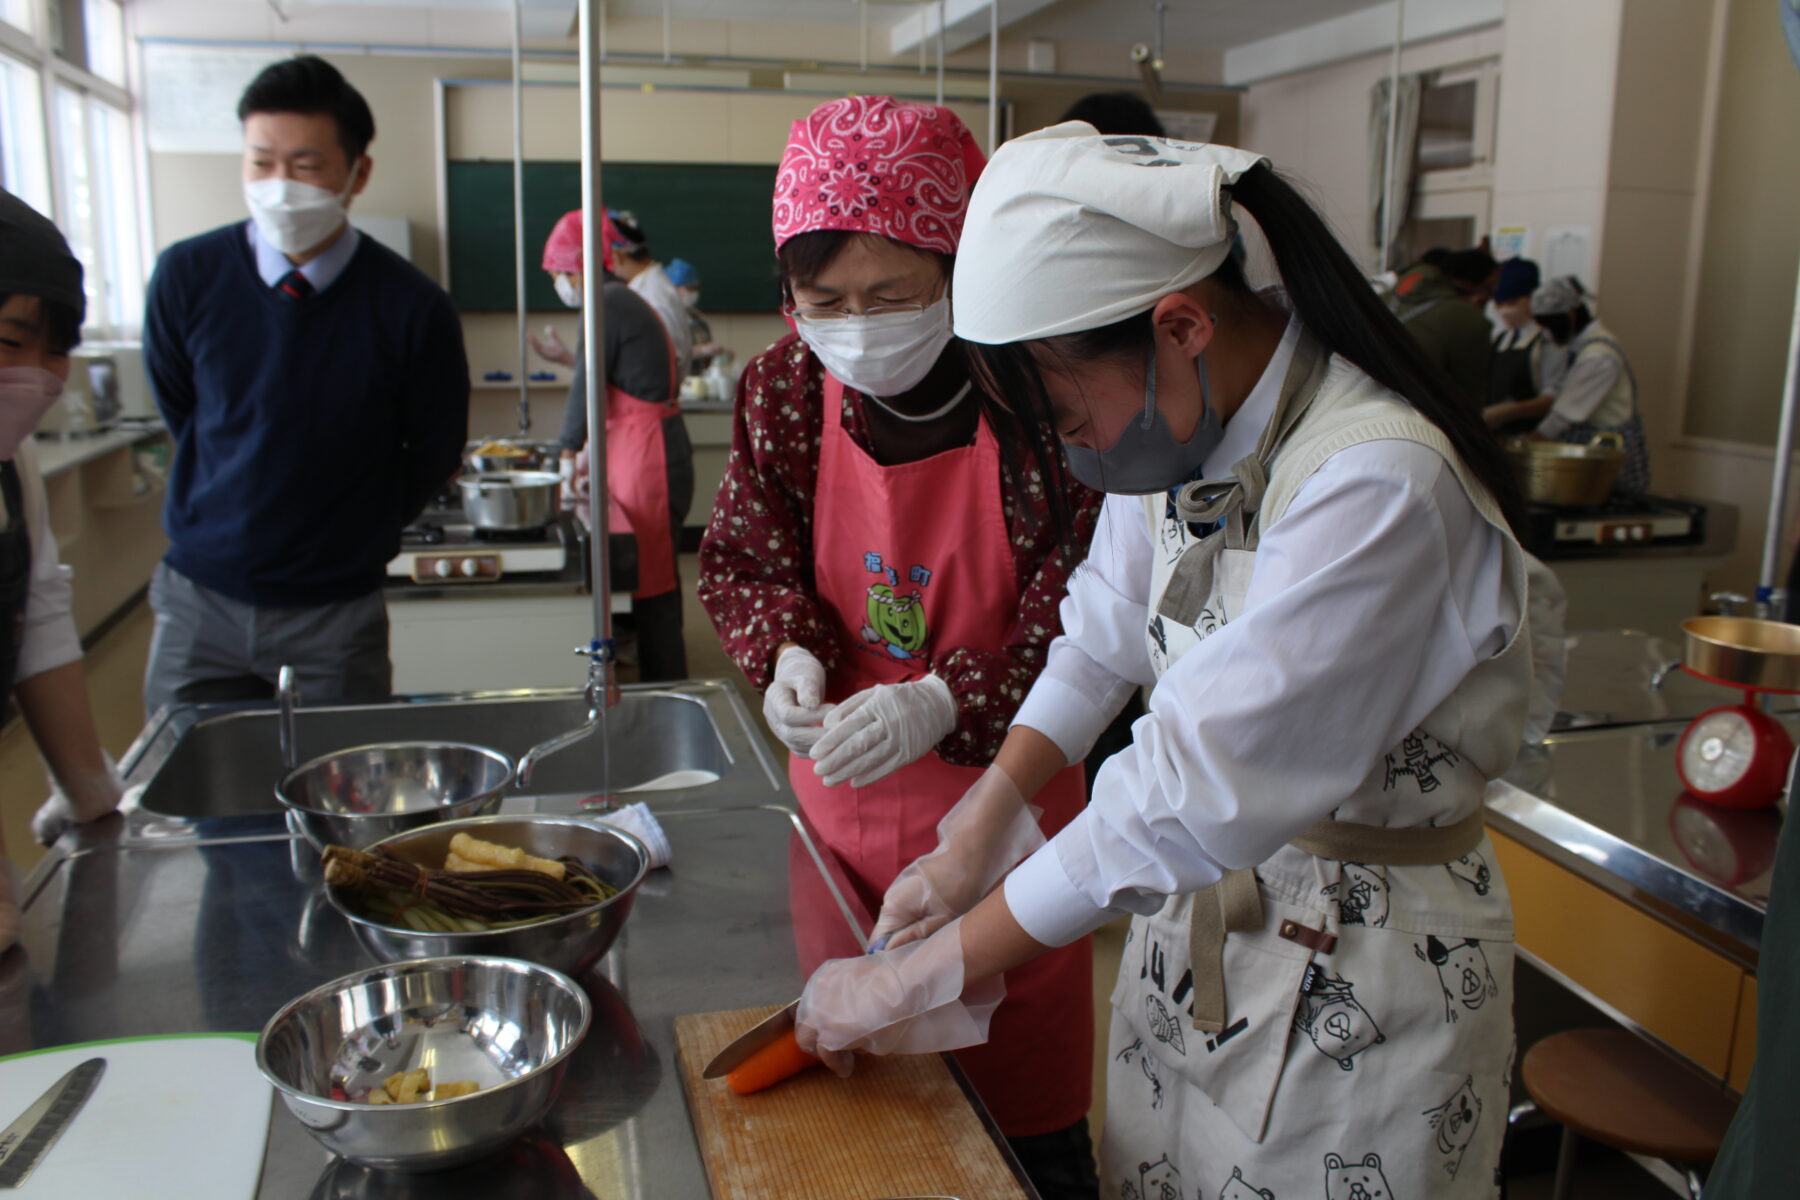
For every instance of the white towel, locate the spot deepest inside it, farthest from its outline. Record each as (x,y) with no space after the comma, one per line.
(637,819)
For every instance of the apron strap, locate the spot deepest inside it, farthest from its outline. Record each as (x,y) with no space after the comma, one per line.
(1234,905)
(1226,502)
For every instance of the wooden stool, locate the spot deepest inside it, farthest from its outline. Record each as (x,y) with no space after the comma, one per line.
(1615,1087)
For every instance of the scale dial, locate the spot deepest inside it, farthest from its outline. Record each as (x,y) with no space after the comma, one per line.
(1735,756)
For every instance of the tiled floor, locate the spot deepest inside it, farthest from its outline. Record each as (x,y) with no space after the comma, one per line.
(115,681)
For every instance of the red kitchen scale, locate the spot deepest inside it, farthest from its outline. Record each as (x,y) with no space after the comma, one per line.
(1737,755)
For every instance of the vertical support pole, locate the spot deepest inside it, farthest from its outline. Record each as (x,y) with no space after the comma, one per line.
(518,103)
(940,41)
(1770,582)
(993,77)
(593,337)
(1387,190)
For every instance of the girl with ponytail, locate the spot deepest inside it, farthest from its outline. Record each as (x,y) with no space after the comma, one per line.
(1306,552)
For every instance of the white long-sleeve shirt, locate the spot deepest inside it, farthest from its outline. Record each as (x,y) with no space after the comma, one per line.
(653,284)
(1376,592)
(50,637)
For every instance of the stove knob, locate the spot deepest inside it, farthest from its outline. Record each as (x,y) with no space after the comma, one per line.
(1640,533)
(1621,534)
(442,568)
(470,568)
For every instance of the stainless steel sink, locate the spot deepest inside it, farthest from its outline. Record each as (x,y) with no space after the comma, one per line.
(694,738)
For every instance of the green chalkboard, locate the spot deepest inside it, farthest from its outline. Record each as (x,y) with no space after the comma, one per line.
(715,216)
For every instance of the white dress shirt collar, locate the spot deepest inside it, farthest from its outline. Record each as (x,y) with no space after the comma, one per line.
(321,272)
(1245,428)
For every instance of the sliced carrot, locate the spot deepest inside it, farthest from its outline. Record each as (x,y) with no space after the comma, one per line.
(775,1062)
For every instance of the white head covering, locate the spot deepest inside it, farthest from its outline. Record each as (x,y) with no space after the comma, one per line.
(1559,295)
(1069,230)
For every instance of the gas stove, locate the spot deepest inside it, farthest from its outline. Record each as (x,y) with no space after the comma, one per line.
(443,548)
(1621,526)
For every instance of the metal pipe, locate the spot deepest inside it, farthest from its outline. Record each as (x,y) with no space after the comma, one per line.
(864,7)
(993,76)
(1387,188)
(287,696)
(518,102)
(1769,583)
(668,43)
(593,334)
(940,41)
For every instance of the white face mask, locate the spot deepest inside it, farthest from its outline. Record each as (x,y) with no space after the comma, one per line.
(568,291)
(292,216)
(26,394)
(882,355)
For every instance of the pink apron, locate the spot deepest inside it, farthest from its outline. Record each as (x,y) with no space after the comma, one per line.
(906,559)
(637,483)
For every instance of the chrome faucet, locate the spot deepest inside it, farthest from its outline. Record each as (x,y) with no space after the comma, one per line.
(287,693)
(599,697)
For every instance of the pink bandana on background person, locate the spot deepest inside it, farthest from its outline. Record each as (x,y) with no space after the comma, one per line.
(562,249)
(874,164)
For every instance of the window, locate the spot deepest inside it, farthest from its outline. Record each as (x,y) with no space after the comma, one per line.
(1456,128)
(17,13)
(97,209)
(103,24)
(24,160)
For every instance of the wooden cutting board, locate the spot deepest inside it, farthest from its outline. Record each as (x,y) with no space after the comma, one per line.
(898,1127)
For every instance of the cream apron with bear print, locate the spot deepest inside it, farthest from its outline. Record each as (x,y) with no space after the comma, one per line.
(1365,1042)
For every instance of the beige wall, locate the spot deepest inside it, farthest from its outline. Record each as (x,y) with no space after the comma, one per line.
(1314,126)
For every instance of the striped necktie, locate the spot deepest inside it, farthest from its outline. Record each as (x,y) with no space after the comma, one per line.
(294,286)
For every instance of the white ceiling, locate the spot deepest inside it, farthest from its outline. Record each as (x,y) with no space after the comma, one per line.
(1188,24)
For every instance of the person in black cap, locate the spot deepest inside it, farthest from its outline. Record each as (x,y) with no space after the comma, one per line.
(1517,372)
(41,310)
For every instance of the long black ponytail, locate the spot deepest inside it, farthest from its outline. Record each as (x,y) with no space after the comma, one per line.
(1332,299)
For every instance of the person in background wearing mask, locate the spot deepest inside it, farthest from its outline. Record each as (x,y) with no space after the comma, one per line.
(649,459)
(1306,549)
(41,309)
(1588,386)
(887,575)
(686,278)
(1441,303)
(317,391)
(1518,368)
(634,264)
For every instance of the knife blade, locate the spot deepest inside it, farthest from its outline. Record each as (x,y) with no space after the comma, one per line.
(27,1140)
(745,1044)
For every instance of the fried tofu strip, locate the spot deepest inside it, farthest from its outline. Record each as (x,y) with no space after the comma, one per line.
(478,855)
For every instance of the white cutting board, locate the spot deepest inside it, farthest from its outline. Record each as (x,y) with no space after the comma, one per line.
(182,1117)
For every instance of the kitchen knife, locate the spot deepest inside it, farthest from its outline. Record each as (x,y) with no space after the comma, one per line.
(761,1034)
(27,1140)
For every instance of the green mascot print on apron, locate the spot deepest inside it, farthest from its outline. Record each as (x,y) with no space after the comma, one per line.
(1337,1024)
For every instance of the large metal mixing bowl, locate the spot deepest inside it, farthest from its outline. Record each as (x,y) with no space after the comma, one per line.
(358,796)
(508,1026)
(1743,652)
(571,943)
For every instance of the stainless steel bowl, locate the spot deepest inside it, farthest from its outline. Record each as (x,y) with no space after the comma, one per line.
(358,796)
(1743,652)
(510,499)
(571,943)
(508,1026)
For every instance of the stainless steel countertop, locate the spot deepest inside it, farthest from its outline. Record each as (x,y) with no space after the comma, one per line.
(147,924)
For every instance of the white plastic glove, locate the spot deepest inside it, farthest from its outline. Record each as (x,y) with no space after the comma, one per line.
(882,728)
(574,471)
(988,832)
(551,348)
(795,704)
(906,1001)
(95,796)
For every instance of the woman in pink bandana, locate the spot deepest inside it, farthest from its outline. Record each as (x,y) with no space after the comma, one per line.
(889,577)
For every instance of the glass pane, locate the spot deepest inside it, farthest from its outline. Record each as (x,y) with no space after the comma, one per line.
(104,23)
(116,222)
(24,161)
(75,188)
(1447,126)
(17,13)
(1420,234)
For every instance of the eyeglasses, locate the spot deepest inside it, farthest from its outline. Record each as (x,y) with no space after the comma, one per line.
(899,313)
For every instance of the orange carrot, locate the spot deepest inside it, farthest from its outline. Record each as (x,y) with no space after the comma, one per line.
(770,1065)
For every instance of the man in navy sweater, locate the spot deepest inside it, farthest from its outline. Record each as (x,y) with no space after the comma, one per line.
(317,390)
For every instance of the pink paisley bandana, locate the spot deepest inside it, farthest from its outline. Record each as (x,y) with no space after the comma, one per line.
(562,251)
(873,164)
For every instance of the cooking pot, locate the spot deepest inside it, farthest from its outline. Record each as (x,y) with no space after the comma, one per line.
(1566,475)
(498,455)
(510,499)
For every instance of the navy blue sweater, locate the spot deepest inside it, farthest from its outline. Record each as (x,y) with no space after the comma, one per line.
(308,433)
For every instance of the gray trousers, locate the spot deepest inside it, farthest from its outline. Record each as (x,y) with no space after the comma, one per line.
(209,648)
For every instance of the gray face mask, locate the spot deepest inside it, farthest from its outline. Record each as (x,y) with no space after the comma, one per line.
(1147,459)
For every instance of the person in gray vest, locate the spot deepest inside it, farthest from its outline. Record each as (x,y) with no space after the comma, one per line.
(1441,304)
(1588,385)
(41,309)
